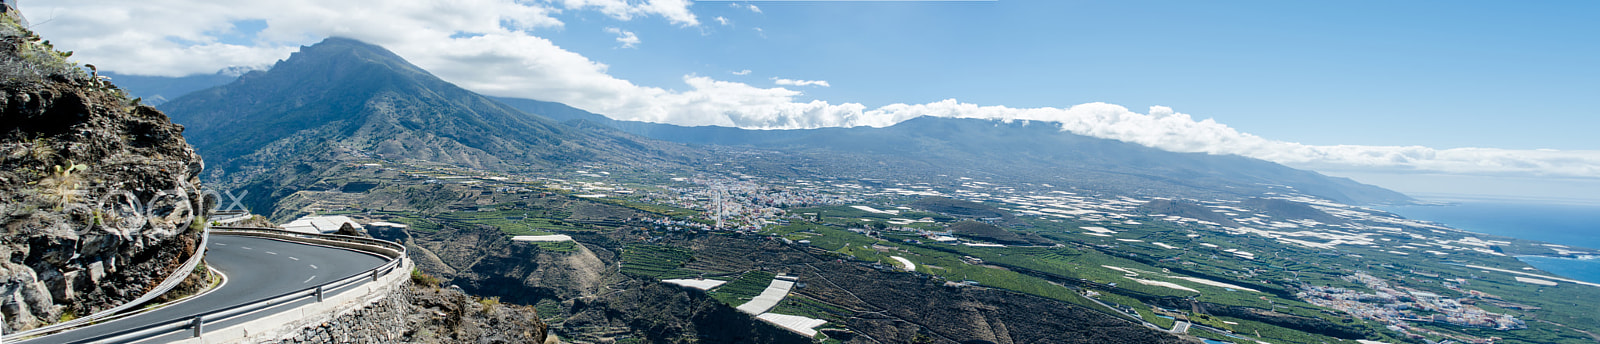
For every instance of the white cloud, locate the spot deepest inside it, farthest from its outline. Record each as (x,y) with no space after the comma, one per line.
(627,38)
(742,72)
(1165,129)
(676,11)
(792,82)
(723,20)
(489,46)
(750,7)
(178,37)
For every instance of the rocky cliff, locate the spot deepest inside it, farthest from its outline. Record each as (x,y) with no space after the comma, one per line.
(429,314)
(101,196)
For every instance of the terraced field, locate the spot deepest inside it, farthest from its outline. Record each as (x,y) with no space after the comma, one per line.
(657,261)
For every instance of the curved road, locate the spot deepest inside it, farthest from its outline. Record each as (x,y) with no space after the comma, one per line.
(256,269)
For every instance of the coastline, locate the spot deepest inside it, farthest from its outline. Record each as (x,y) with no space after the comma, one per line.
(1571,229)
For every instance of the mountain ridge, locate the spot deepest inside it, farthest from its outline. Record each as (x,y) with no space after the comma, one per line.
(386,106)
(343,99)
(935,139)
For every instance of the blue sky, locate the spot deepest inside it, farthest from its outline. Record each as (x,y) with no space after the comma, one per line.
(1420,96)
(1441,74)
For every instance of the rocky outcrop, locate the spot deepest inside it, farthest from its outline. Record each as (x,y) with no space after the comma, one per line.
(579,290)
(100,194)
(426,314)
(485,261)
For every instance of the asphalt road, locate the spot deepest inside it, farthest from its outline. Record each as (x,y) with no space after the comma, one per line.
(256,269)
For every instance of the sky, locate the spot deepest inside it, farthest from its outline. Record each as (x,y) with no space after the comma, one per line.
(1436,97)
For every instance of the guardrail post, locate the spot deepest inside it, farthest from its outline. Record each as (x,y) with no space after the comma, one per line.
(197,325)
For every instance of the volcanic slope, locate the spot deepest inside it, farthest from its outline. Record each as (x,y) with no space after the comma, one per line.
(1019,151)
(342,100)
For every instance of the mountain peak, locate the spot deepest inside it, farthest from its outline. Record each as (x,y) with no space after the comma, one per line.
(342,98)
(332,86)
(342,45)
(336,56)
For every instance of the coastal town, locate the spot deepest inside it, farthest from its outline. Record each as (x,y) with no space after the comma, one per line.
(1399,307)
(1240,245)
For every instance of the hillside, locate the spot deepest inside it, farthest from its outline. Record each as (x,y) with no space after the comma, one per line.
(958,207)
(101,193)
(1285,209)
(342,100)
(155,90)
(994,234)
(1185,209)
(320,80)
(1037,152)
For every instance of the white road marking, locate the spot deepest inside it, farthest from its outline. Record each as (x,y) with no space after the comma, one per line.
(247,247)
(272,253)
(313,266)
(308,279)
(221,244)
(293,258)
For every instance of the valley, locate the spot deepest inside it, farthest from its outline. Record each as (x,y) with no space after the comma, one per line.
(934,230)
(1289,268)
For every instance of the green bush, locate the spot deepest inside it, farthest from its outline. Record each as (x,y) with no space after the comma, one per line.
(424,279)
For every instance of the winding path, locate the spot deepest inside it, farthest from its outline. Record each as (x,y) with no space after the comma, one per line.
(256,268)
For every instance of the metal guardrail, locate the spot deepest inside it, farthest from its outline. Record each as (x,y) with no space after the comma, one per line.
(196,324)
(228,217)
(172,281)
(394,250)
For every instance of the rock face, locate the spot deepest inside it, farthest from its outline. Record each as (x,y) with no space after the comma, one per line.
(426,314)
(100,193)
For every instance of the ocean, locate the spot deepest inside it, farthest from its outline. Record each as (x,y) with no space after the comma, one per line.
(1571,224)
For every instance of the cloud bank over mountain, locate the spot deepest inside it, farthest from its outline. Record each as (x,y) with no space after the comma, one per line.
(493,47)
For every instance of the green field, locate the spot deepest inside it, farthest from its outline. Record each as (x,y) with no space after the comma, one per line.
(742,289)
(931,259)
(657,261)
(510,221)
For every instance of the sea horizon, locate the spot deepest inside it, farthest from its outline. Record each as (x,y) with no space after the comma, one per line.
(1569,222)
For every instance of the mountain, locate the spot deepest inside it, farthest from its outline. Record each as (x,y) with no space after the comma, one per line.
(346,97)
(101,195)
(556,111)
(1037,152)
(342,99)
(155,90)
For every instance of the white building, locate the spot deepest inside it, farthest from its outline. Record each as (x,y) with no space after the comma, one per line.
(319,224)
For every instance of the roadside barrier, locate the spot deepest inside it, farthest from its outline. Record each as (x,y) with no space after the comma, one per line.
(198,324)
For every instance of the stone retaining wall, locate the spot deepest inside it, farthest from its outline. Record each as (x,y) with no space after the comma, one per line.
(348,305)
(377,323)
